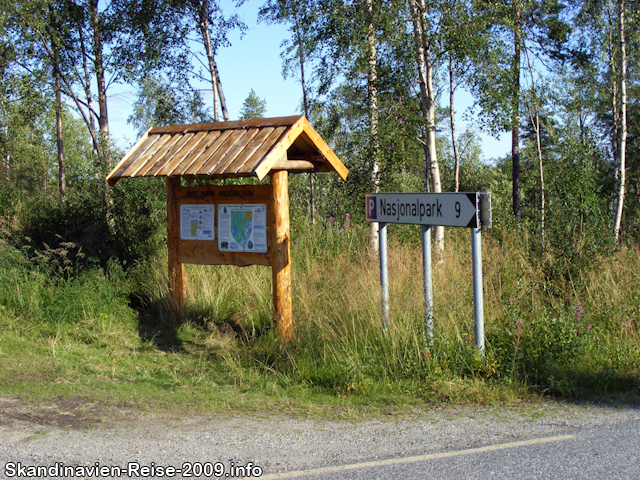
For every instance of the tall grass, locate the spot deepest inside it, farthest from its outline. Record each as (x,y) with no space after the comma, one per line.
(113,335)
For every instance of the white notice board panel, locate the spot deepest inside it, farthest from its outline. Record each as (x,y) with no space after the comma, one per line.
(196,222)
(242,228)
(446,209)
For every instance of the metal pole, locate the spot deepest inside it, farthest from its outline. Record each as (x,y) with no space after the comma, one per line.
(428,285)
(478,306)
(384,275)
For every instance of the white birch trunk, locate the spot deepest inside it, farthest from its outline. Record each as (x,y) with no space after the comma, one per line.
(372,79)
(535,119)
(7,159)
(615,143)
(454,143)
(427,102)
(622,149)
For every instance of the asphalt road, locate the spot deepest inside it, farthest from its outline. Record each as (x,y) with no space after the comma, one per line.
(604,452)
(544,441)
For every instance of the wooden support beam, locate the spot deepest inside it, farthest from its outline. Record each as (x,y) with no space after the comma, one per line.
(176,283)
(280,251)
(294,165)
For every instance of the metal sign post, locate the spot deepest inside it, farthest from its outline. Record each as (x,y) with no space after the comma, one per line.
(428,285)
(467,210)
(478,302)
(384,274)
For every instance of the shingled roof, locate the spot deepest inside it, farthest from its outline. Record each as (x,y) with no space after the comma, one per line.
(245,148)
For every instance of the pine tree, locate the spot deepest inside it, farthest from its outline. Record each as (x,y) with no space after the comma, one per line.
(253,107)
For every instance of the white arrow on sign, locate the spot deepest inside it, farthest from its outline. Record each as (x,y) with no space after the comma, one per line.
(446,209)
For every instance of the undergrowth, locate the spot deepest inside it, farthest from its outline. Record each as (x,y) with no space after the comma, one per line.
(110,334)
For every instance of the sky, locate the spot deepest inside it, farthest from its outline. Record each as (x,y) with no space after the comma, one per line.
(253,62)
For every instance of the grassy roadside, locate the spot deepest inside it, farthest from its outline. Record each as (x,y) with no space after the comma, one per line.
(109,336)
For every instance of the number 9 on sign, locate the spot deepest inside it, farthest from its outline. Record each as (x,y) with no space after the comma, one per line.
(457,209)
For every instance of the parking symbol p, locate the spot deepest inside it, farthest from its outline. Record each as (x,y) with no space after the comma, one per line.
(371,208)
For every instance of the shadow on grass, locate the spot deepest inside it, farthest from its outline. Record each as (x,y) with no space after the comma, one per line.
(602,386)
(160,325)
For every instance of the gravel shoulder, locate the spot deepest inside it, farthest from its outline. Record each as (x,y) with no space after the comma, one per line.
(77,433)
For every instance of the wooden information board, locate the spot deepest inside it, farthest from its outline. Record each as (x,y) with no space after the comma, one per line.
(208,252)
(268,205)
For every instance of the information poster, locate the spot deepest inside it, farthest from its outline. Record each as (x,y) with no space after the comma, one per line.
(242,228)
(196,222)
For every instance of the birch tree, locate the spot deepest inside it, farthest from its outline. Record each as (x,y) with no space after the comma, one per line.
(39,34)
(208,16)
(300,15)
(372,106)
(345,39)
(534,117)
(602,58)
(514,25)
(620,164)
(426,65)
(462,39)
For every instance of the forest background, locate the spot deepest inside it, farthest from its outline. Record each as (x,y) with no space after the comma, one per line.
(83,275)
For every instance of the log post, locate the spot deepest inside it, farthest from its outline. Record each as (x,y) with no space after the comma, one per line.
(176,286)
(280,254)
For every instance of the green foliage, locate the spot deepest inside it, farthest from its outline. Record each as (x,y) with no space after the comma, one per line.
(563,355)
(138,213)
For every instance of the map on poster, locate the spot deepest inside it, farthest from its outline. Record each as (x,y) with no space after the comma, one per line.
(242,228)
(196,222)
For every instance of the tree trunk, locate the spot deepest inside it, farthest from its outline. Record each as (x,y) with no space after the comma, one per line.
(312,200)
(622,149)
(535,119)
(542,195)
(223,101)
(69,91)
(103,119)
(515,115)
(87,91)
(203,23)
(62,182)
(434,170)
(372,86)
(427,103)
(615,143)
(7,158)
(216,117)
(57,74)
(454,143)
